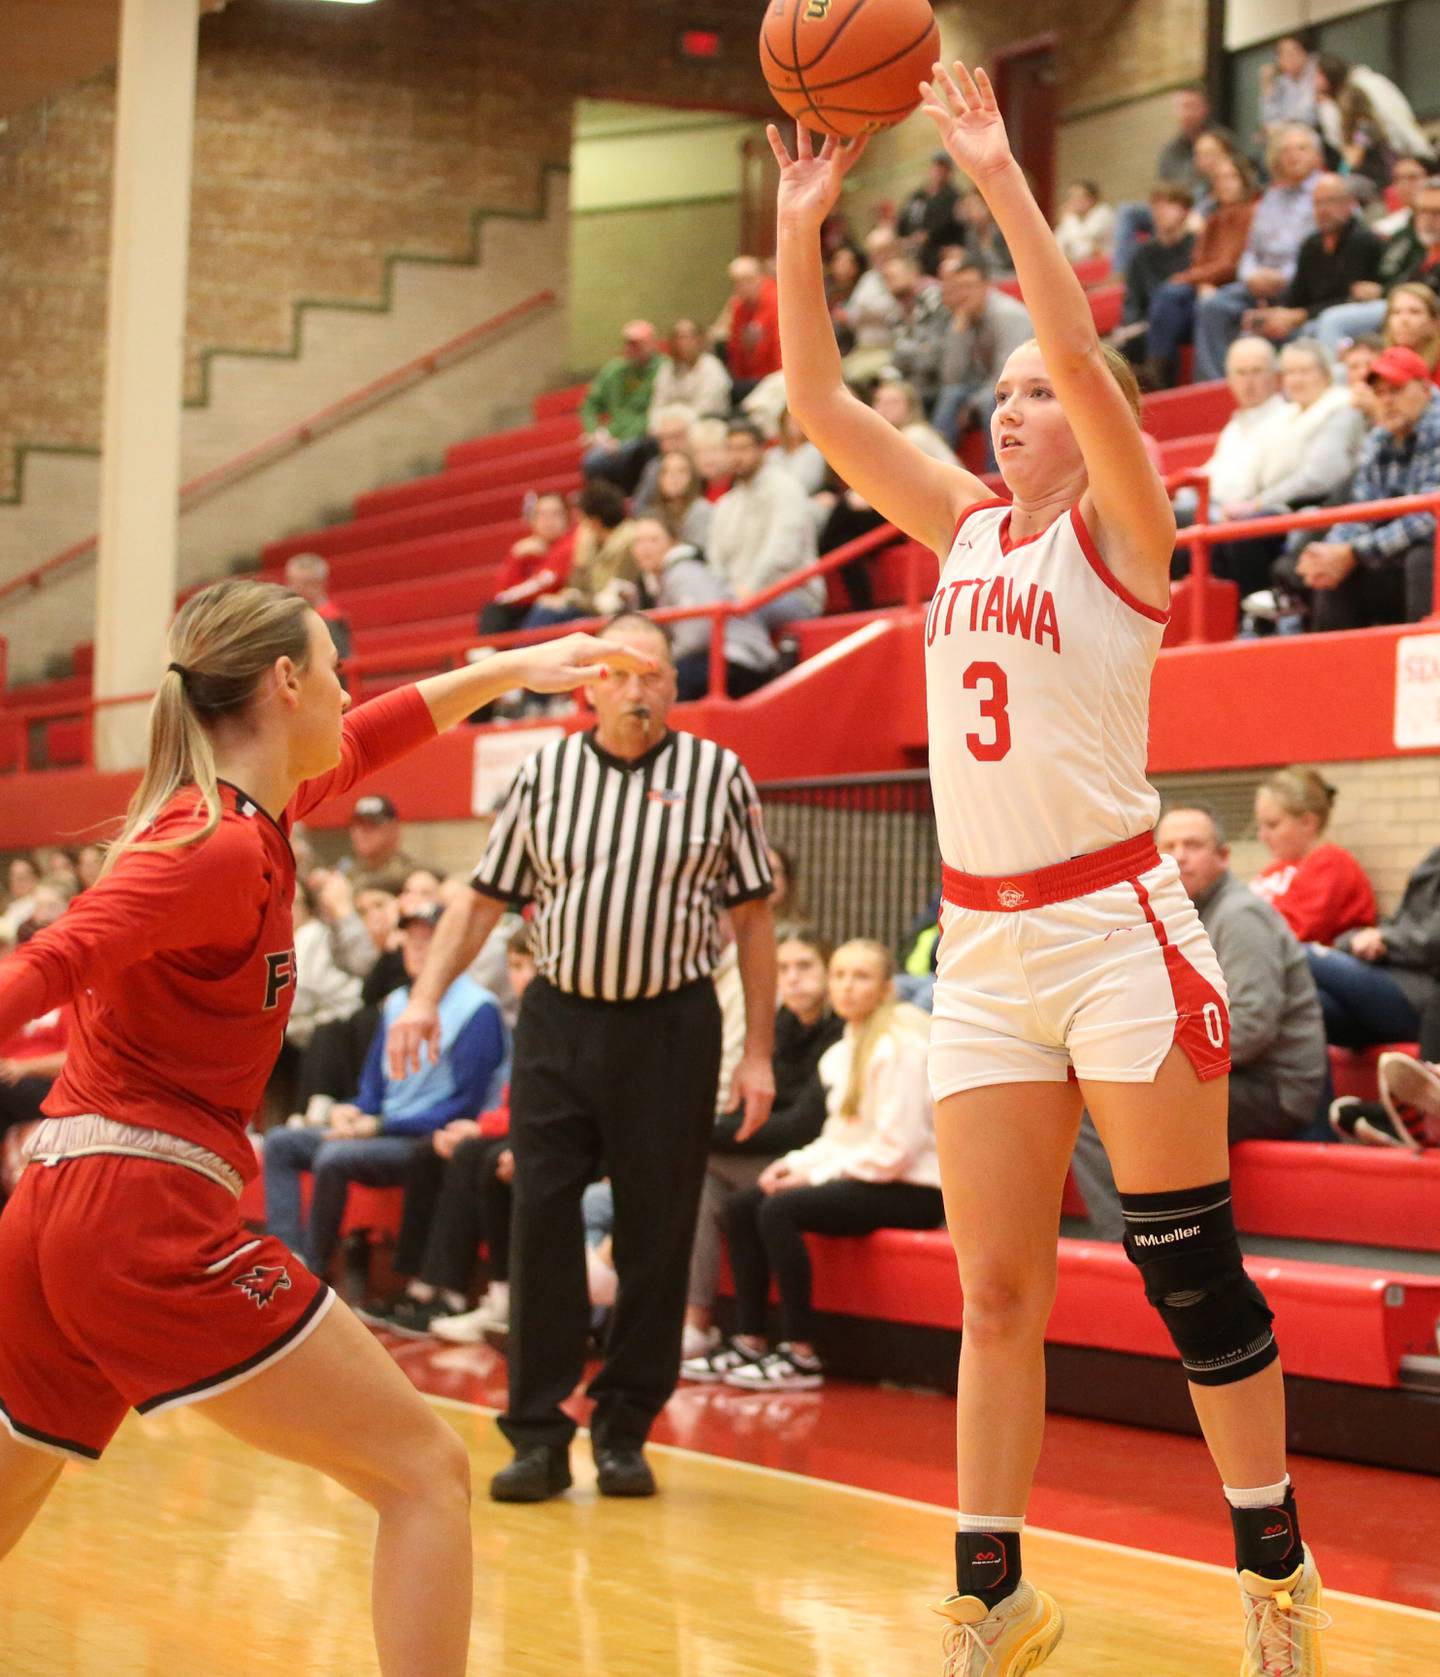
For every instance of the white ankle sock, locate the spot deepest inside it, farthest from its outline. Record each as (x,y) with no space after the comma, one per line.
(1262,1496)
(421,1291)
(991,1522)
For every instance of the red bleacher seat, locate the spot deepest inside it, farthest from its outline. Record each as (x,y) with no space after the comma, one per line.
(1107,303)
(12,744)
(408,599)
(500,445)
(1179,454)
(1192,411)
(1353,1070)
(1366,1196)
(67,743)
(516,469)
(557,402)
(426,556)
(422,643)
(374,1210)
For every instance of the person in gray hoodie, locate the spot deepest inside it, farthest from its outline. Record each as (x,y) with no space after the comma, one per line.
(1277,1036)
(675,574)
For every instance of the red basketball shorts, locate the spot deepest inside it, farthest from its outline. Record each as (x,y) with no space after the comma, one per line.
(132,1283)
(1099,986)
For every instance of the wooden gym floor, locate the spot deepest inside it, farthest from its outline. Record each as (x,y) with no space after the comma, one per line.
(186,1555)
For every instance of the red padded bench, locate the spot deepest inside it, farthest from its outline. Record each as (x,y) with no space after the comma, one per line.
(1346,1325)
(373,1210)
(1354,1070)
(1367,1196)
(1192,411)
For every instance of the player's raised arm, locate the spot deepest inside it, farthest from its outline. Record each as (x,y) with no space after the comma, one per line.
(923,497)
(1136,524)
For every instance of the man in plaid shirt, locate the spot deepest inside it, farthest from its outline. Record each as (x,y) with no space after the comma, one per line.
(1361,573)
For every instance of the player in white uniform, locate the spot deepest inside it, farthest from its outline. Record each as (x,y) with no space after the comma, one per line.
(1073,968)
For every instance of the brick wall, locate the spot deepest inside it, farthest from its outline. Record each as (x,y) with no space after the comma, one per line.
(327,140)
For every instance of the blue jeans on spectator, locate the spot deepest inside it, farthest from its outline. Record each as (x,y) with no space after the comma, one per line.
(1362,1004)
(1346,321)
(1217,325)
(1131,220)
(541,617)
(1171,327)
(799,602)
(376,1161)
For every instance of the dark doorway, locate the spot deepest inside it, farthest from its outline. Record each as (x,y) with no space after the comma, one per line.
(1025,85)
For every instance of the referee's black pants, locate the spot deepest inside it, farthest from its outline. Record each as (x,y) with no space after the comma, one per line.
(624,1089)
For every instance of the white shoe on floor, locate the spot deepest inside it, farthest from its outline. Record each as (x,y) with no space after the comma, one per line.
(1283,1622)
(490,1316)
(698,1342)
(1015,1636)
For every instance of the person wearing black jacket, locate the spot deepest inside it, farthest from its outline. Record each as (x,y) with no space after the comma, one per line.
(1376,982)
(804,1029)
(1341,254)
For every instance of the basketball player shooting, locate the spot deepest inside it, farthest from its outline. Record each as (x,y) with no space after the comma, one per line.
(1073,969)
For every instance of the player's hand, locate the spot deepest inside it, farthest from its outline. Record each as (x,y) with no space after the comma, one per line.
(573,661)
(753,1087)
(809,184)
(414,1036)
(967,118)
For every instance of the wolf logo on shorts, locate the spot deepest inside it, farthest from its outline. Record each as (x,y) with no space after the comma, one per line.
(263,1282)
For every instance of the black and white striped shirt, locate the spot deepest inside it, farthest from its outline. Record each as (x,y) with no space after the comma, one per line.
(628,863)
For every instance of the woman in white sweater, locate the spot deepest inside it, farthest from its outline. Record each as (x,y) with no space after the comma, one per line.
(873,1166)
(1301,456)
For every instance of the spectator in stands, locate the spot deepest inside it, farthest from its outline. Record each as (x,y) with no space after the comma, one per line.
(1277,1039)
(377,852)
(672,429)
(1303,456)
(897,400)
(602,571)
(985,326)
(762,532)
(1353,96)
(804,1029)
(537,564)
(1288,91)
(796,454)
(917,326)
(753,350)
(865,314)
(674,574)
(616,409)
(1318,889)
(1167,252)
(1337,263)
(1378,980)
(928,218)
(690,377)
(1284,218)
(873,1166)
(1086,228)
(678,500)
(1412,254)
(1176,165)
(984,241)
(29,1064)
(60,869)
(787,900)
(457,1197)
(1360,574)
(843,268)
(1214,262)
(88,862)
(1252,374)
(1412,320)
(1357,358)
(22,877)
(1407,176)
(324,990)
(370,1139)
(308,575)
(710,450)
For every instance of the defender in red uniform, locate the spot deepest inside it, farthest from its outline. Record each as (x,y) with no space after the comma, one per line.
(127,1279)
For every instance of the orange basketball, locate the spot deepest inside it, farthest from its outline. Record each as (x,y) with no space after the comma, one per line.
(848,67)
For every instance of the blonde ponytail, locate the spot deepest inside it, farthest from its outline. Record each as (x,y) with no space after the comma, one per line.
(222,641)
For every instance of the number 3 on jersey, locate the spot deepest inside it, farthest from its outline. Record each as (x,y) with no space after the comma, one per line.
(993,709)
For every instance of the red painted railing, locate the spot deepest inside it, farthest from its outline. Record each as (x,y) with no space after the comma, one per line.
(319,424)
(431,655)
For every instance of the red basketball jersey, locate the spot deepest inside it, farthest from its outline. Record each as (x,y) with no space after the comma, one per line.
(180,963)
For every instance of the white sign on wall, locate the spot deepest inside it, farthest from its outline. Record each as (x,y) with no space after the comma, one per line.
(497,756)
(1417,691)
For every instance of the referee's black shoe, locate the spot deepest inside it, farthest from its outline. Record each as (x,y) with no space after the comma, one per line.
(623,1473)
(538,1472)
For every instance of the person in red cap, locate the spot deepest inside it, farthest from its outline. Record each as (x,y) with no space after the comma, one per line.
(1360,574)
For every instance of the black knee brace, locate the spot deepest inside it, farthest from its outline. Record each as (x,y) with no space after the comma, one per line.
(1184,1246)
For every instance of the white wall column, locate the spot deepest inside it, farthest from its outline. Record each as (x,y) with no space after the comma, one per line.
(144,365)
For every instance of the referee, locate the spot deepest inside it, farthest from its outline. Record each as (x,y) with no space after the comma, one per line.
(629,839)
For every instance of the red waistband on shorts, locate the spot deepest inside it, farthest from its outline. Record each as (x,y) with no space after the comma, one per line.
(1009,893)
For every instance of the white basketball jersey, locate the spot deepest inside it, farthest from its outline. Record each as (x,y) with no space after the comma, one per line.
(1037,668)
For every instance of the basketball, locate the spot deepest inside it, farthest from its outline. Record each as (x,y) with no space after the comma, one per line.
(848,67)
